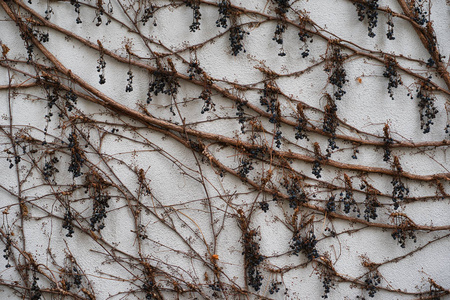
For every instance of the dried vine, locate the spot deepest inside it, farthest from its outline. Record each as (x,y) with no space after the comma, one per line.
(143,168)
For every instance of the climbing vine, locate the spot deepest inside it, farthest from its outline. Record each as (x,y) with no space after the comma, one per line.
(199,149)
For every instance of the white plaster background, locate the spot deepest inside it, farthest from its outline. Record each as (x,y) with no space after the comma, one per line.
(366,106)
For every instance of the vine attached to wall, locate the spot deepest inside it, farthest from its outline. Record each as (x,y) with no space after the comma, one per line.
(194,149)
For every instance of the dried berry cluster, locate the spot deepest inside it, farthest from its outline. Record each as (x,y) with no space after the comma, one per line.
(372,281)
(245,167)
(369,10)
(348,200)
(390,32)
(67,223)
(304,35)
(49,169)
(71,100)
(327,283)
(7,250)
(148,14)
(274,287)
(224,13)
(296,193)
(194,69)
(236,38)
(427,109)
(96,186)
(129,87)
(388,141)
(77,156)
(208,104)
(252,255)
(330,123)
(317,169)
(305,243)
(77,6)
(35,290)
(419,14)
(300,128)
(162,83)
(196,17)
(282,6)
(371,202)
(278,37)
(391,73)
(337,75)
(101,68)
(241,115)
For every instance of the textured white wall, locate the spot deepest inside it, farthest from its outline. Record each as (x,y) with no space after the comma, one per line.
(180,188)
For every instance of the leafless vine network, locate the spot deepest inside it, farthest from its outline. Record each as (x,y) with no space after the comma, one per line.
(193,149)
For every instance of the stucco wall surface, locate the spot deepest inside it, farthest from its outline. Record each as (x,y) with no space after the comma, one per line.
(204,170)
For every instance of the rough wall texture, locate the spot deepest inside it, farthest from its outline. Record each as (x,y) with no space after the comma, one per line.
(272,149)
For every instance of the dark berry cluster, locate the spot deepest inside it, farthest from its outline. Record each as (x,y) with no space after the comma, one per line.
(304,35)
(270,99)
(194,69)
(71,100)
(337,75)
(49,169)
(42,37)
(330,123)
(236,38)
(327,284)
(296,193)
(427,109)
(264,206)
(35,290)
(7,250)
(399,192)
(77,6)
(215,287)
(300,128)
(391,73)
(77,155)
(305,244)
(372,281)
(419,14)
(282,6)
(76,277)
(252,255)
(369,10)
(347,199)
(331,204)
(148,14)
(150,289)
(129,87)
(278,37)
(388,141)
(224,13)
(371,203)
(208,104)
(99,210)
(401,234)
(101,68)
(317,169)
(277,136)
(98,17)
(245,167)
(162,83)
(195,5)
(67,223)
(48,12)
(52,97)
(274,287)
(241,115)
(390,31)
